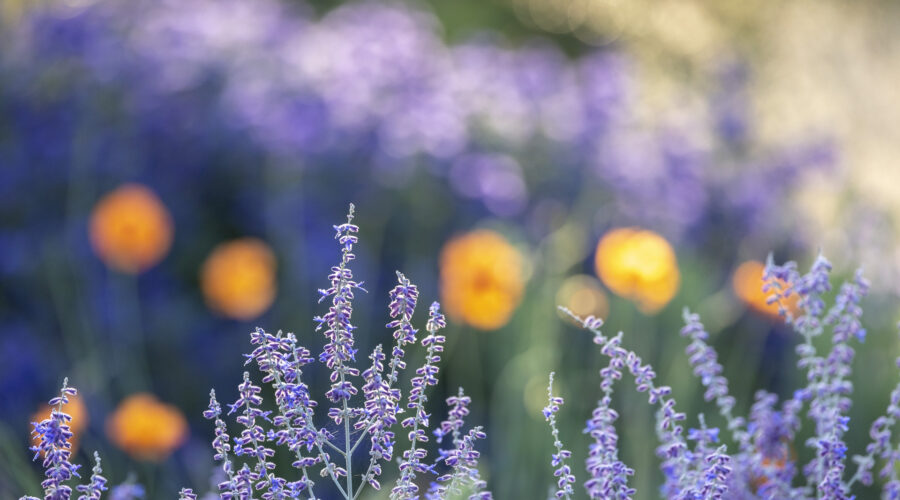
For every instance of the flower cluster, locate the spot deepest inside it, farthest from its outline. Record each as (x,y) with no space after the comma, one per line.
(53,436)
(754,459)
(248,458)
(293,423)
(762,462)
(463,479)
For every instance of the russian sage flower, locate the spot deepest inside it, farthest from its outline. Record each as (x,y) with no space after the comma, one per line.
(368,424)
(762,464)
(412,460)
(608,475)
(53,445)
(463,479)
(696,464)
(558,460)
(93,490)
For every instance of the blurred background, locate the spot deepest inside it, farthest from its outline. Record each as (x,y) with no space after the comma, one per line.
(170,173)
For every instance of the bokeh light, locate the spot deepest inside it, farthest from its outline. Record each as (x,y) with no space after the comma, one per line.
(583,295)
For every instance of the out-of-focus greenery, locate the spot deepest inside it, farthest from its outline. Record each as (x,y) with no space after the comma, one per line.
(710,149)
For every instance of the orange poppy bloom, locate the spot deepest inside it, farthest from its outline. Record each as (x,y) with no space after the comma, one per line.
(130,229)
(481,279)
(146,428)
(639,265)
(238,278)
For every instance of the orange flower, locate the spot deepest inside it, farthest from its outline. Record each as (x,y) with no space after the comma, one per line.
(748,283)
(238,278)
(481,279)
(75,409)
(146,428)
(639,265)
(130,229)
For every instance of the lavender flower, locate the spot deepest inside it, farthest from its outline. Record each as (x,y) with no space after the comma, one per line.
(704,360)
(763,465)
(380,414)
(463,478)
(281,361)
(768,464)
(828,388)
(251,441)
(382,400)
(706,366)
(881,445)
(608,475)
(404,297)
(187,494)
(709,470)
(558,460)
(715,476)
(339,350)
(673,449)
(222,446)
(54,434)
(425,376)
(94,490)
(456,416)
(829,411)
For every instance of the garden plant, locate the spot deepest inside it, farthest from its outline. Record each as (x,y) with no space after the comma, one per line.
(753,458)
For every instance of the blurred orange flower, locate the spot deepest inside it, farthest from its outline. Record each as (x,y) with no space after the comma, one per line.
(146,428)
(639,265)
(238,278)
(481,279)
(748,283)
(75,409)
(130,229)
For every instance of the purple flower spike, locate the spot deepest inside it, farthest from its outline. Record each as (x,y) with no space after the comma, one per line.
(673,450)
(339,350)
(462,459)
(608,475)
(426,376)
(94,490)
(558,459)
(187,494)
(53,435)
